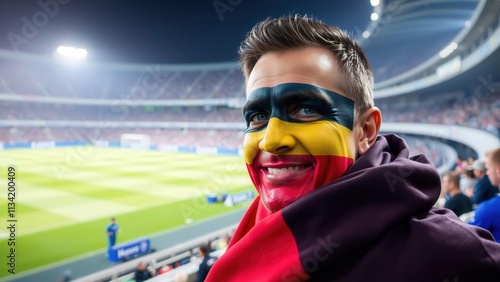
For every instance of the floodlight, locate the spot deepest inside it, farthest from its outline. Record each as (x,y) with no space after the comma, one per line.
(366,34)
(375,3)
(71,52)
(374,16)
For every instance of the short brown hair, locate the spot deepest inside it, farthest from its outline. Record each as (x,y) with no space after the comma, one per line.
(454,177)
(204,248)
(494,156)
(286,33)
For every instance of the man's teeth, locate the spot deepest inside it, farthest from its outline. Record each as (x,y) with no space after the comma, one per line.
(284,169)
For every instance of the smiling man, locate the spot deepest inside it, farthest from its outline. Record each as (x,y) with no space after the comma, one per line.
(337,202)
(288,146)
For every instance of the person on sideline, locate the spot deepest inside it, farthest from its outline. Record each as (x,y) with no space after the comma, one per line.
(337,201)
(111,231)
(487,213)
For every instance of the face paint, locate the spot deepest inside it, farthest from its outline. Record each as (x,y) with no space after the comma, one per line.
(297,140)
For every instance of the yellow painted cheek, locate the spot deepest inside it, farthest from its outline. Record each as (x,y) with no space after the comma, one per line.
(324,138)
(251,145)
(319,138)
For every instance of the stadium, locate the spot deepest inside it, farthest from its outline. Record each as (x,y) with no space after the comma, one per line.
(148,127)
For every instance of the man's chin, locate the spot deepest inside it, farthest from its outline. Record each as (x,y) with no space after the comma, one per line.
(276,198)
(274,205)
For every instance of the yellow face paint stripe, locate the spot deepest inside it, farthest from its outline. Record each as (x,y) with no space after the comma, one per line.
(318,138)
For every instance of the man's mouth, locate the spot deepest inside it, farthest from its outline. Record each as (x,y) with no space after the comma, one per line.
(272,170)
(284,172)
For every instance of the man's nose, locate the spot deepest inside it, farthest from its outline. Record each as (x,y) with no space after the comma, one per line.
(277,139)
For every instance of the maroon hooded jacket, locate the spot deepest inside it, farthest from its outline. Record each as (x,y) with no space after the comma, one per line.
(375,223)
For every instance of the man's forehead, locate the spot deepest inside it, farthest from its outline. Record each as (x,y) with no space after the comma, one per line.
(309,65)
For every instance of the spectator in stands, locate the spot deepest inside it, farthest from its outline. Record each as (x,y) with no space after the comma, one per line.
(181,277)
(164,269)
(457,202)
(337,202)
(459,164)
(470,160)
(487,214)
(143,272)
(483,190)
(493,167)
(220,243)
(468,182)
(111,231)
(206,262)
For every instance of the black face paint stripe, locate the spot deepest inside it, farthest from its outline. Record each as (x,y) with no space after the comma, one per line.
(281,100)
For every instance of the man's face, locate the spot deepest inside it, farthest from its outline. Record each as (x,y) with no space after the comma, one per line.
(446,184)
(301,131)
(478,173)
(493,172)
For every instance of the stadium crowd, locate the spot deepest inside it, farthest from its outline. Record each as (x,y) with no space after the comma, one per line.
(484,114)
(471,191)
(98,82)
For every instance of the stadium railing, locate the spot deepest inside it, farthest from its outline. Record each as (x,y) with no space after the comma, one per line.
(190,270)
(158,259)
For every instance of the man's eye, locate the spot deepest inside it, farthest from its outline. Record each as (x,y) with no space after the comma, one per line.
(259,117)
(258,120)
(307,111)
(306,114)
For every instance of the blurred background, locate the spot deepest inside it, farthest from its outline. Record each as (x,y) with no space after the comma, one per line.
(105,103)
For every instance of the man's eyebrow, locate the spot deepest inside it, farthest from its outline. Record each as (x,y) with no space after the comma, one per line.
(257,100)
(295,93)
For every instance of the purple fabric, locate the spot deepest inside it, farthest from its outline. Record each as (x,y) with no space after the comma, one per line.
(376,223)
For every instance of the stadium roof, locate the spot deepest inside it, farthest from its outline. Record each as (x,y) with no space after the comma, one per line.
(201,31)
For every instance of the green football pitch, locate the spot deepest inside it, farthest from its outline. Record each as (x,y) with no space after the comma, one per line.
(64,197)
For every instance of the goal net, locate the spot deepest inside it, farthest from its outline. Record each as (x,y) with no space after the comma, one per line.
(135,141)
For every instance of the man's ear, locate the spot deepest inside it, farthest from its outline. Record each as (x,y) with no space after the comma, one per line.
(369,124)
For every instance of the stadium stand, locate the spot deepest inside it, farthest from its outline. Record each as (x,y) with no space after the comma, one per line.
(199,106)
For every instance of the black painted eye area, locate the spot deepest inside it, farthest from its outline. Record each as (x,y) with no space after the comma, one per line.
(306,113)
(296,102)
(258,120)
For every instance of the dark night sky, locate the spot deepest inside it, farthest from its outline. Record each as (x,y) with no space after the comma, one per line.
(160,31)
